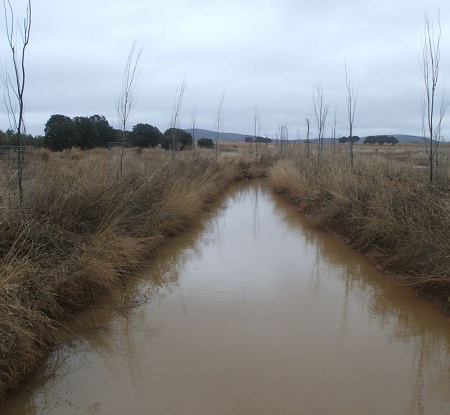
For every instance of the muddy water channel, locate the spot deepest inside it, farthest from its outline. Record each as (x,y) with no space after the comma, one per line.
(254,313)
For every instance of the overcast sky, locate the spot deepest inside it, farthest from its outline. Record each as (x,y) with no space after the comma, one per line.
(269,54)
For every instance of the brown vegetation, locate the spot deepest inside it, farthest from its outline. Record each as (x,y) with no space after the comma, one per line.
(386,209)
(84,228)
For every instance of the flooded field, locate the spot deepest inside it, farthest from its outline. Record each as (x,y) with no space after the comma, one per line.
(253,313)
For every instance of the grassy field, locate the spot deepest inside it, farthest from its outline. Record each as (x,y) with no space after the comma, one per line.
(84,229)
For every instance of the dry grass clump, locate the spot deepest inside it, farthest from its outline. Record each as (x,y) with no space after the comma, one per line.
(385,209)
(84,228)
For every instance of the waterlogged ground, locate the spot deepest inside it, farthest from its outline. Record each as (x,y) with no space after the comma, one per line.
(254,313)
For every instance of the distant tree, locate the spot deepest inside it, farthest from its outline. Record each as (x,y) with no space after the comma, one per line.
(39,141)
(391,140)
(350,139)
(249,139)
(60,133)
(263,140)
(87,133)
(105,132)
(380,139)
(369,140)
(11,137)
(205,143)
(145,135)
(176,139)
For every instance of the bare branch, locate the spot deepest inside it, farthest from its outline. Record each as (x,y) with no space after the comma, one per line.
(320,114)
(218,123)
(177,105)
(127,96)
(16,84)
(256,127)
(351,98)
(308,128)
(431,118)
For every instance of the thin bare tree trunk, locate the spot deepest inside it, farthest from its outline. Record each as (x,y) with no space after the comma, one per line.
(351,98)
(218,123)
(193,124)
(320,113)
(430,65)
(334,131)
(176,114)
(17,83)
(127,96)
(256,127)
(308,128)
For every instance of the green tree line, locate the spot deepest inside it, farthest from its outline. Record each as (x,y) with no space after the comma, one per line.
(63,132)
(380,139)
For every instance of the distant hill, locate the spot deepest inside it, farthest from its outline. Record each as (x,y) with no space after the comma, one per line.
(232,137)
(408,138)
(402,138)
(235,137)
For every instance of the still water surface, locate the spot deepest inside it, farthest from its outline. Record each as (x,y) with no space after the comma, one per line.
(255,313)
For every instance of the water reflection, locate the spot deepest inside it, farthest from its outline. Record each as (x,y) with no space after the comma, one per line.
(253,312)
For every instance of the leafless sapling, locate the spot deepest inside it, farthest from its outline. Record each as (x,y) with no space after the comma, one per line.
(432,117)
(334,131)
(127,95)
(256,128)
(193,125)
(351,98)
(15,83)
(218,124)
(283,136)
(320,114)
(176,115)
(308,129)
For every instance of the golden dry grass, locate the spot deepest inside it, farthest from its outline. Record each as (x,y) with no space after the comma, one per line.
(83,229)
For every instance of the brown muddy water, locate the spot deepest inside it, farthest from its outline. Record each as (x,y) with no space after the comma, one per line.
(253,313)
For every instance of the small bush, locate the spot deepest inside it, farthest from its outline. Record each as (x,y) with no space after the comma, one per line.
(205,143)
